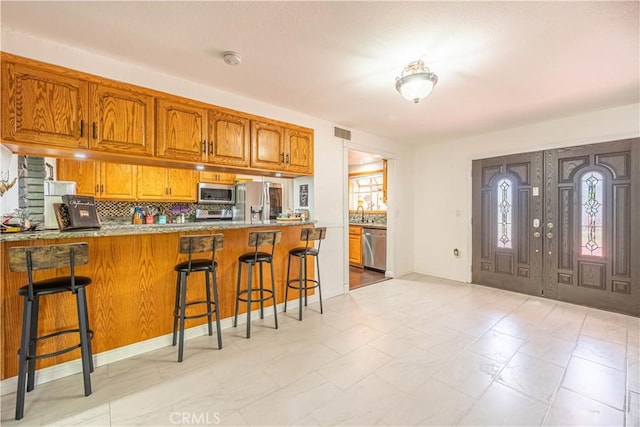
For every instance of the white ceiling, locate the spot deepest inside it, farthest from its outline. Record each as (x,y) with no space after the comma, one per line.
(500,64)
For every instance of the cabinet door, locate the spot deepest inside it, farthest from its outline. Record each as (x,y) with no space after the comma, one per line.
(84,172)
(180,133)
(355,248)
(121,120)
(267,146)
(217,177)
(43,107)
(299,150)
(228,138)
(152,183)
(117,181)
(182,184)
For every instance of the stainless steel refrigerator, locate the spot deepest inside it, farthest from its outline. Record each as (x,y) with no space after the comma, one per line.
(252,202)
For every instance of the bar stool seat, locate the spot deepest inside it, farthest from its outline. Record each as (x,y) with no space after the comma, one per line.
(303,283)
(251,259)
(29,259)
(191,245)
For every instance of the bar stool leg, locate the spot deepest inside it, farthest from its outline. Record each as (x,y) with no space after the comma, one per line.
(183,308)
(300,267)
(208,293)
(261,293)
(306,289)
(286,288)
(235,316)
(22,358)
(31,361)
(176,308)
(250,268)
(217,307)
(84,340)
(273,294)
(84,298)
(319,287)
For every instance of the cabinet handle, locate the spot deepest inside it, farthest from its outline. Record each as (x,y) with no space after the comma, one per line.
(97,189)
(211,147)
(287,158)
(81,128)
(169,190)
(282,158)
(204,147)
(101,188)
(95,130)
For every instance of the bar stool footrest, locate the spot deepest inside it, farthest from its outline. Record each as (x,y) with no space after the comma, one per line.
(257,299)
(59,352)
(197,316)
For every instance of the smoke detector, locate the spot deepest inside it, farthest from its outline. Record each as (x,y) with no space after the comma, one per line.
(232,58)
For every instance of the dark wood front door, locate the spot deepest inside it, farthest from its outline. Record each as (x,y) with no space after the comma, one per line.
(563,224)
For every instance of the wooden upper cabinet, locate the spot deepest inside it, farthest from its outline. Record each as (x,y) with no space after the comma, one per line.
(228,138)
(182,184)
(118,181)
(102,180)
(43,107)
(84,172)
(217,177)
(267,145)
(299,150)
(121,120)
(180,130)
(281,148)
(166,184)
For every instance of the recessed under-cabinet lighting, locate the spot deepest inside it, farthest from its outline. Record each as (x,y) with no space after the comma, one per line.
(200,167)
(80,156)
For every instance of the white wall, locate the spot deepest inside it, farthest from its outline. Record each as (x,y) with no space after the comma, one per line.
(442,172)
(329,183)
(8,163)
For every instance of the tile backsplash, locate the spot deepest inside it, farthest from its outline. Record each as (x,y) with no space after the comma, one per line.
(123,210)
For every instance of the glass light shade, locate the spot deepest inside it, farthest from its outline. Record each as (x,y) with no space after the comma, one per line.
(416,81)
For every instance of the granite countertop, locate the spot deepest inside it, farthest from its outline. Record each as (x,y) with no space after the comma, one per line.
(131,229)
(370,225)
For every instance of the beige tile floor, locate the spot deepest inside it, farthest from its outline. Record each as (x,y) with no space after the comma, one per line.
(409,351)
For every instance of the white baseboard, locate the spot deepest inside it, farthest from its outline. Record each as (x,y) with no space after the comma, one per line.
(51,373)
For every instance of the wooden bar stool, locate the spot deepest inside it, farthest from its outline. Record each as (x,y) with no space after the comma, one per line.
(193,245)
(29,259)
(303,283)
(257,239)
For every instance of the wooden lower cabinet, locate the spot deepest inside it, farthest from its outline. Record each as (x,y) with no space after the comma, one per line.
(355,245)
(102,180)
(166,184)
(132,293)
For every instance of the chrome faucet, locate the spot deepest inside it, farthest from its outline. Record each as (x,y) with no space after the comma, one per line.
(360,207)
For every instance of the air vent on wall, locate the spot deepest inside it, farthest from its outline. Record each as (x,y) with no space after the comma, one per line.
(342,133)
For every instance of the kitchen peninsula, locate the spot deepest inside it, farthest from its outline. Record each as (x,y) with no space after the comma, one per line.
(132,294)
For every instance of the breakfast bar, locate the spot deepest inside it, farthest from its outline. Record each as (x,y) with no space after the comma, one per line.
(131,298)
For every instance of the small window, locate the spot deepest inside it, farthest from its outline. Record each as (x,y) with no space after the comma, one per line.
(505,204)
(591,218)
(367,191)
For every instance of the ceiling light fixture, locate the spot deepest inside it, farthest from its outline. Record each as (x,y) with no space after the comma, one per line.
(231,58)
(416,81)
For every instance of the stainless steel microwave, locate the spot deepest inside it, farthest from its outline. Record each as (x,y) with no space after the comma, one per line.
(220,194)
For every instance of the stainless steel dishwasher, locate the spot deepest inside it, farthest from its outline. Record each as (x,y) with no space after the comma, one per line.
(374,248)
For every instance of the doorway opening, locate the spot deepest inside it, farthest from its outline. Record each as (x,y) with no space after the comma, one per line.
(367,214)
